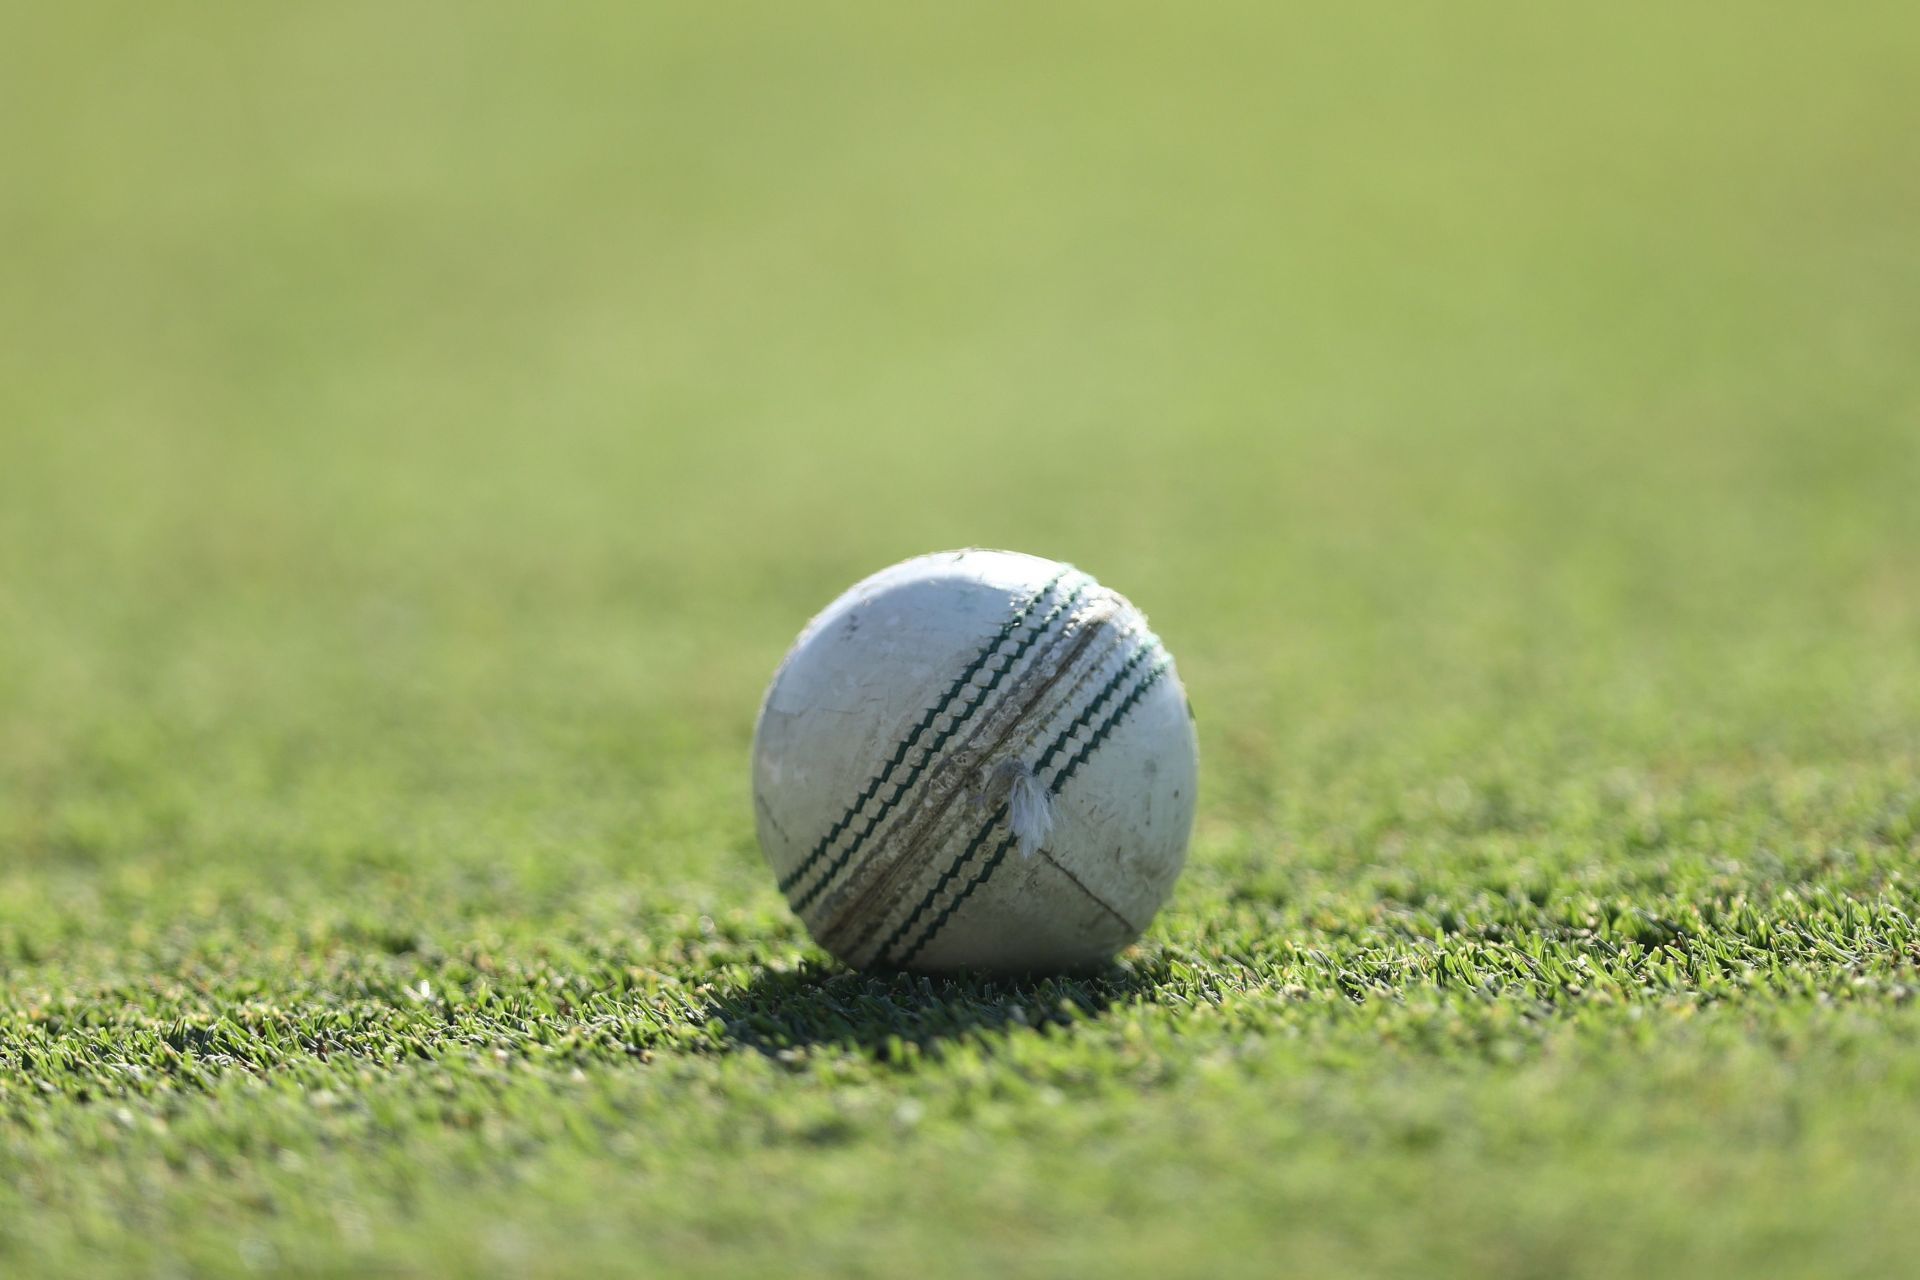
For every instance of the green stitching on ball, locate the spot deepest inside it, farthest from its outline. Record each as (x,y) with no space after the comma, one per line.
(1060,780)
(980,659)
(960,717)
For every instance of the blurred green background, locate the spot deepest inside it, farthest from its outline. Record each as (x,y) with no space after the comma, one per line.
(423,427)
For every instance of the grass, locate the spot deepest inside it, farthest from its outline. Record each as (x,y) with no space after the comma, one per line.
(423,429)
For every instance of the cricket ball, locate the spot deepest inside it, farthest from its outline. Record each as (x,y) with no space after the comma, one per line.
(976,760)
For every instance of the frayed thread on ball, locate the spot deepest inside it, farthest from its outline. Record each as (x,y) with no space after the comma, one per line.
(1029,809)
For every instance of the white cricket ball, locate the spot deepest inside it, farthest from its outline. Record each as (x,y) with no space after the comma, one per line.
(976,760)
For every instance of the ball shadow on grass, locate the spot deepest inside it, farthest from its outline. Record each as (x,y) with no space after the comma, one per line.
(895,1016)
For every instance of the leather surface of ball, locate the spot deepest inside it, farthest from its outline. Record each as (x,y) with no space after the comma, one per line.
(976,760)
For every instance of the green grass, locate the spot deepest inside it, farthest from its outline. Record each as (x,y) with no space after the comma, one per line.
(423,428)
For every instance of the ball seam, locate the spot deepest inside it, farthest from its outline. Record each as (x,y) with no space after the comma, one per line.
(960,716)
(1079,722)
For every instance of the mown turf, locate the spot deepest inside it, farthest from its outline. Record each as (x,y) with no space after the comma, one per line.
(423,428)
